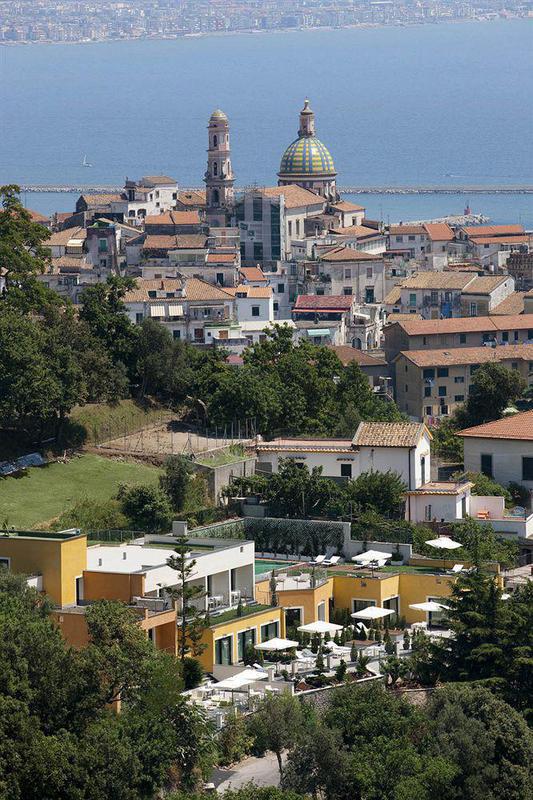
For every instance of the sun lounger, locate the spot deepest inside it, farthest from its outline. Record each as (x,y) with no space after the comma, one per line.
(331,562)
(319,560)
(457,569)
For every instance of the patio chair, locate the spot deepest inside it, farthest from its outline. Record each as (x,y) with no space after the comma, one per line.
(319,560)
(457,569)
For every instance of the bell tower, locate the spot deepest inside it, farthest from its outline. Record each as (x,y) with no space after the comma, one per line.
(307,121)
(219,178)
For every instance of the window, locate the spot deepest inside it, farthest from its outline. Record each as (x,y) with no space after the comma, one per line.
(347,273)
(428,411)
(459,379)
(423,469)
(223,651)
(486,464)
(473,309)
(442,391)
(434,298)
(429,373)
(255,311)
(527,468)
(215,168)
(176,334)
(102,245)
(359,605)
(514,364)
(281,288)
(276,306)
(427,513)
(257,209)
(321,611)
(5,562)
(515,336)
(290,227)
(424,340)
(505,336)
(297,225)
(220,278)
(530,333)
(346,470)
(412,299)
(462,338)
(139,316)
(245,639)
(215,140)
(458,398)
(411,238)
(427,391)
(442,372)
(406,388)
(258,251)
(269,631)
(293,617)
(369,294)
(347,290)
(369,273)
(399,238)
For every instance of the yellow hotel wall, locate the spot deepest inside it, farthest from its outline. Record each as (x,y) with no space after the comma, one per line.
(307,599)
(235,626)
(59,561)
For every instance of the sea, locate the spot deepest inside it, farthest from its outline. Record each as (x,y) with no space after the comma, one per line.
(441,104)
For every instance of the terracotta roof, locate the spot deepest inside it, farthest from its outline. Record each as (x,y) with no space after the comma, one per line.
(159,180)
(326,302)
(221,258)
(359,231)
(174,218)
(393,318)
(68,264)
(394,296)
(409,230)
(252,274)
(102,199)
(485,284)
(306,445)
(347,354)
(439,231)
(438,280)
(348,254)
(442,487)
(295,196)
(250,291)
(196,289)
(518,239)
(62,238)
(492,230)
(456,356)
(145,285)
(517,426)
(192,197)
(513,304)
(344,205)
(37,217)
(389,434)
(427,327)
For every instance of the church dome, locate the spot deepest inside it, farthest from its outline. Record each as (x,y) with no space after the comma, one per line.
(307,155)
(218,114)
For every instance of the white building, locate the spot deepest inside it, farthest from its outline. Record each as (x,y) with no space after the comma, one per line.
(402,447)
(150,195)
(343,270)
(502,449)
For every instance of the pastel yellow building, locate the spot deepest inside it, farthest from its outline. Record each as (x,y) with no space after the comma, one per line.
(55,560)
(303,598)
(228,636)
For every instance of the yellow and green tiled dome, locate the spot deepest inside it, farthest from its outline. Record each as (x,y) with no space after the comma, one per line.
(307,155)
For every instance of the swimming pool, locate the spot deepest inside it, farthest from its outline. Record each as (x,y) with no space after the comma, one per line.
(265,565)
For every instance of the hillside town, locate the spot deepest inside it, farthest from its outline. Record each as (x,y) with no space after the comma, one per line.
(24,22)
(266,476)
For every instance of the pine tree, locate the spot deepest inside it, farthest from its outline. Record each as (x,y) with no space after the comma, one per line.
(193,622)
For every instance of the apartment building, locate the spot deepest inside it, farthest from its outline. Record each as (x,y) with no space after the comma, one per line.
(337,320)
(437,295)
(411,334)
(431,383)
(493,244)
(146,197)
(343,270)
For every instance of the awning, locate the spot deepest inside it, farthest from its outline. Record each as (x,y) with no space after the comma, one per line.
(157,311)
(318,332)
(175,311)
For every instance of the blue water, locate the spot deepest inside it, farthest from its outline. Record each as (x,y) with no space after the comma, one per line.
(395,106)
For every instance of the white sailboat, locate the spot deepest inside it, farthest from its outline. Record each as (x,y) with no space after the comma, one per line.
(85,163)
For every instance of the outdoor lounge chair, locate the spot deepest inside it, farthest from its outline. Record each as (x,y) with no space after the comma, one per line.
(457,569)
(331,562)
(319,560)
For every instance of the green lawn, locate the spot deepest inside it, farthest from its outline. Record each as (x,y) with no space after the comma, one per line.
(45,492)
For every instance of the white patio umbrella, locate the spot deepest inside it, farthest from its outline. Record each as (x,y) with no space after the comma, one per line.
(430,605)
(243,678)
(444,543)
(372,612)
(276,644)
(320,627)
(371,555)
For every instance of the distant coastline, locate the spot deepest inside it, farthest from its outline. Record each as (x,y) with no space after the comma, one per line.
(255,32)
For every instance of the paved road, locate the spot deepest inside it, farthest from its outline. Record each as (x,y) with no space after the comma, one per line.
(262,771)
